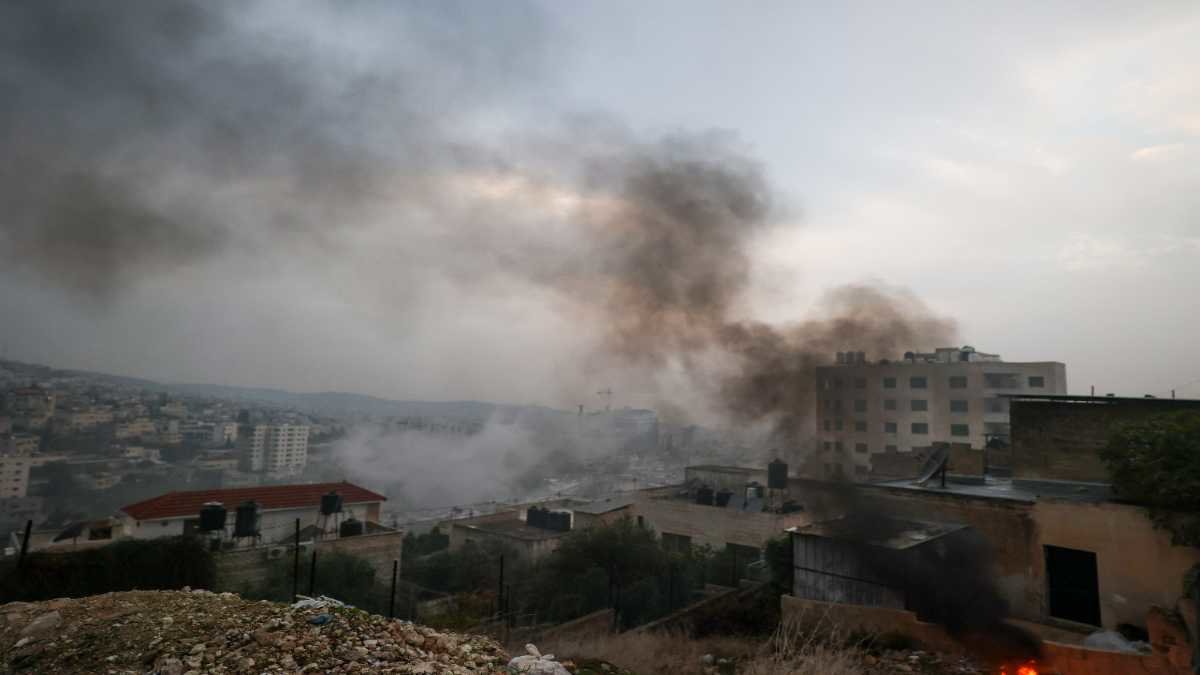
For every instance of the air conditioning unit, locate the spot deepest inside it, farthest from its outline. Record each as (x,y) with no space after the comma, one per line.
(276,552)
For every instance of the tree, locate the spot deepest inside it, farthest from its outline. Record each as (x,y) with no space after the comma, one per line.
(1156,462)
(625,552)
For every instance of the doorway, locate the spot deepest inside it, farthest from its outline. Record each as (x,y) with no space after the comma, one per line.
(1073,584)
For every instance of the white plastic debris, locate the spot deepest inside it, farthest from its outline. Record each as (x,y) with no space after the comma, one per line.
(319,602)
(535,663)
(1111,640)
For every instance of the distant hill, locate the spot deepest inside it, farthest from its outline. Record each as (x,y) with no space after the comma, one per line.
(331,403)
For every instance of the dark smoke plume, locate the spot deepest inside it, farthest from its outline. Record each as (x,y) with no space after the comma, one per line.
(145,135)
(675,262)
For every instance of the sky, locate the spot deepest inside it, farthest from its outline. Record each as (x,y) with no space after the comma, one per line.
(396,209)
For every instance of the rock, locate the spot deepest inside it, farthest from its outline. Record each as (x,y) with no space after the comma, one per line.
(708,659)
(23,641)
(170,667)
(44,623)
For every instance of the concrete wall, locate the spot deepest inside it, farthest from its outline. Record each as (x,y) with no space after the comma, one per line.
(276,525)
(1057,658)
(715,526)
(239,569)
(1059,440)
(1136,564)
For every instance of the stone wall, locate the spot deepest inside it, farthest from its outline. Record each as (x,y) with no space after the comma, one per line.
(1059,440)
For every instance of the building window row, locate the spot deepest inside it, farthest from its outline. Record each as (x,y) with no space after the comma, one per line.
(990,380)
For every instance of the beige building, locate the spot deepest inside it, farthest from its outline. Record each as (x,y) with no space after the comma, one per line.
(274,448)
(14,475)
(135,428)
(952,395)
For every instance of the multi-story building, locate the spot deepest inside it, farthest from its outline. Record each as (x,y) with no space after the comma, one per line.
(83,418)
(14,475)
(274,448)
(135,428)
(20,444)
(286,449)
(953,395)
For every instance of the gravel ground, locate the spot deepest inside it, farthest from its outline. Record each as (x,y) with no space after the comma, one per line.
(177,632)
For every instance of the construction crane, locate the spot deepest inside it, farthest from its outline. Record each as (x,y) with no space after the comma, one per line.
(607,394)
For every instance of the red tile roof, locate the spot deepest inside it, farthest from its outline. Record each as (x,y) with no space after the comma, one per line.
(177,504)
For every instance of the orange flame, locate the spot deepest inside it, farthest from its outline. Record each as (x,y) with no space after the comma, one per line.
(1026,669)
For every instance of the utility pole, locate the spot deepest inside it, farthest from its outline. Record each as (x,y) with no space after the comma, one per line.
(296,564)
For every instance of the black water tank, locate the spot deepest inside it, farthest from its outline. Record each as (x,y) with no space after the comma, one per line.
(777,472)
(723,497)
(246,520)
(704,496)
(535,517)
(331,503)
(351,528)
(561,521)
(212,517)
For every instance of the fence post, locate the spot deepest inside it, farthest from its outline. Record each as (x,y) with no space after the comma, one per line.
(296,564)
(500,608)
(24,545)
(312,573)
(392,597)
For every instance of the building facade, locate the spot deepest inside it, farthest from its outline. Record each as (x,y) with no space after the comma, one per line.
(280,449)
(952,395)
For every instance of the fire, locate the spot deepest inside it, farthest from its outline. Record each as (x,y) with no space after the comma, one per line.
(1025,669)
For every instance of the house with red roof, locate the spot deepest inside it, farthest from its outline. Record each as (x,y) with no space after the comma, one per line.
(277,508)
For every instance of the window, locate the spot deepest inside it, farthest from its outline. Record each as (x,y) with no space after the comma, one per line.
(828,446)
(996,405)
(889,427)
(958,382)
(828,404)
(958,406)
(828,425)
(837,446)
(860,426)
(919,404)
(891,448)
(837,424)
(1037,382)
(676,542)
(1001,380)
(1073,584)
(959,430)
(889,383)
(860,405)
(917,383)
(860,383)
(860,447)
(837,405)
(889,404)
(920,428)
(860,470)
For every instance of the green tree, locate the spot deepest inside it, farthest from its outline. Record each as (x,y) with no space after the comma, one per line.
(779,561)
(1156,462)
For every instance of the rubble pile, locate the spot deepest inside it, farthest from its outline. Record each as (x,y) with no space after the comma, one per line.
(176,632)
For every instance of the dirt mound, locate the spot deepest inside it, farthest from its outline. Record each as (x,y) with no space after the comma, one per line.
(173,632)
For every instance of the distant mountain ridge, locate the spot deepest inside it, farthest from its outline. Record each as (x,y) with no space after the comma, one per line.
(332,403)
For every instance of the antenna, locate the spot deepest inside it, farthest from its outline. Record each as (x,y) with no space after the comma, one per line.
(607,394)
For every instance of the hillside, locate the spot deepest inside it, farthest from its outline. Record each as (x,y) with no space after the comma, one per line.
(172,632)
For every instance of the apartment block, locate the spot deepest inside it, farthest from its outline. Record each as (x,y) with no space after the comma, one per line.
(951,395)
(274,448)
(14,475)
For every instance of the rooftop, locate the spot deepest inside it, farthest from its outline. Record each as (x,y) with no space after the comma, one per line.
(270,497)
(1007,488)
(885,532)
(1106,400)
(515,528)
(606,505)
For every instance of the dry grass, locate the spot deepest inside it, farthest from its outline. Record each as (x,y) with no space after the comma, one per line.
(811,647)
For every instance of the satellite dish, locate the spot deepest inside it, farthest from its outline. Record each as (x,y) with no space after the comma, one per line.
(934,464)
